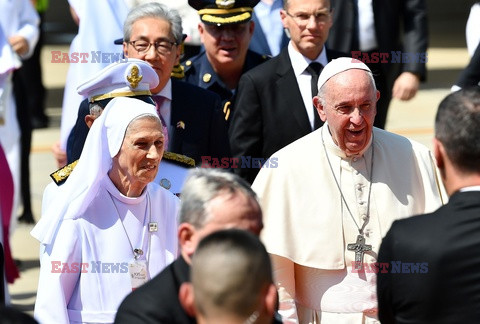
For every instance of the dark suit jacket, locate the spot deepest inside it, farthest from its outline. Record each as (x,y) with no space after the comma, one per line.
(157,300)
(259,42)
(269,112)
(395,20)
(446,245)
(205,132)
(470,76)
(389,16)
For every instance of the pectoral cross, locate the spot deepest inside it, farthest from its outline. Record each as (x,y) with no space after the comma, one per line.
(360,248)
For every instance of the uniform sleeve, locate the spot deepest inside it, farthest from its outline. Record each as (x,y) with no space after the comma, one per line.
(28,29)
(59,274)
(284,277)
(245,133)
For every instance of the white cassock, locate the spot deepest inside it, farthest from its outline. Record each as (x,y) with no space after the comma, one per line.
(98,239)
(16,18)
(101,23)
(307,227)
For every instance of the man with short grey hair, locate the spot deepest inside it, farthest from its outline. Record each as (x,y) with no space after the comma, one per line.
(193,116)
(211,200)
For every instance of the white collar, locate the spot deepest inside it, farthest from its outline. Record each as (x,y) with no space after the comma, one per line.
(331,146)
(470,188)
(166,92)
(300,62)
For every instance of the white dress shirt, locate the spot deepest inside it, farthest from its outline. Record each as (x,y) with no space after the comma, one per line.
(299,64)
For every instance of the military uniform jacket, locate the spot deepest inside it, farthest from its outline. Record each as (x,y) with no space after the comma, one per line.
(199,71)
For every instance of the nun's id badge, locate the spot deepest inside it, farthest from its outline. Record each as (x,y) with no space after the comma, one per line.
(138,273)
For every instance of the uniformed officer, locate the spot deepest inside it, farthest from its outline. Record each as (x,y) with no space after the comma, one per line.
(225,31)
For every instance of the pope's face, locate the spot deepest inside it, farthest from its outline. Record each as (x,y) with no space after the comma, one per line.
(154,30)
(226,44)
(308,22)
(350,108)
(140,154)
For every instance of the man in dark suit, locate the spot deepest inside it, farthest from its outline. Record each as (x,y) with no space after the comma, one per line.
(431,261)
(194,118)
(470,76)
(378,27)
(211,200)
(273,106)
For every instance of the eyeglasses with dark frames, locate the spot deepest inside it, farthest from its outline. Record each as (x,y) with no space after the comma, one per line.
(162,47)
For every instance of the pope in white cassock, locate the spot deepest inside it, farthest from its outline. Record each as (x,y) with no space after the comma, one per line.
(110,228)
(333,197)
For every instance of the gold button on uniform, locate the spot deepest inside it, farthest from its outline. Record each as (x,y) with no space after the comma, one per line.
(207,77)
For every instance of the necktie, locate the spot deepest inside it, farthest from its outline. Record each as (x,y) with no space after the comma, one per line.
(159,102)
(314,69)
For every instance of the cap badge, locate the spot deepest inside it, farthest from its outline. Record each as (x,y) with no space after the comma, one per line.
(225,4)
(135,77)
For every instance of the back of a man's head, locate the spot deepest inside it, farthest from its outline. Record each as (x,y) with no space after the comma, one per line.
(207,195)
(457,127)
(231,278)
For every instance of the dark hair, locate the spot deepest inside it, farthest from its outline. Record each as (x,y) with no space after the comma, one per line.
(230,268)
(457,127)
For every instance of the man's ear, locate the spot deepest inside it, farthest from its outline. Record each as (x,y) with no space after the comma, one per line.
(125,49)
(438,153)
(89,119)
(317,103)
(187,299)
(186,241)
(251,27)
(271,300)
(201,31)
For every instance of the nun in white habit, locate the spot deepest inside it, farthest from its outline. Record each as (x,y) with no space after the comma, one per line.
(110,228)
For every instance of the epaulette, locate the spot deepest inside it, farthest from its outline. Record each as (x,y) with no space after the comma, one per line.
(179,159)
(61,175)
(178,72)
